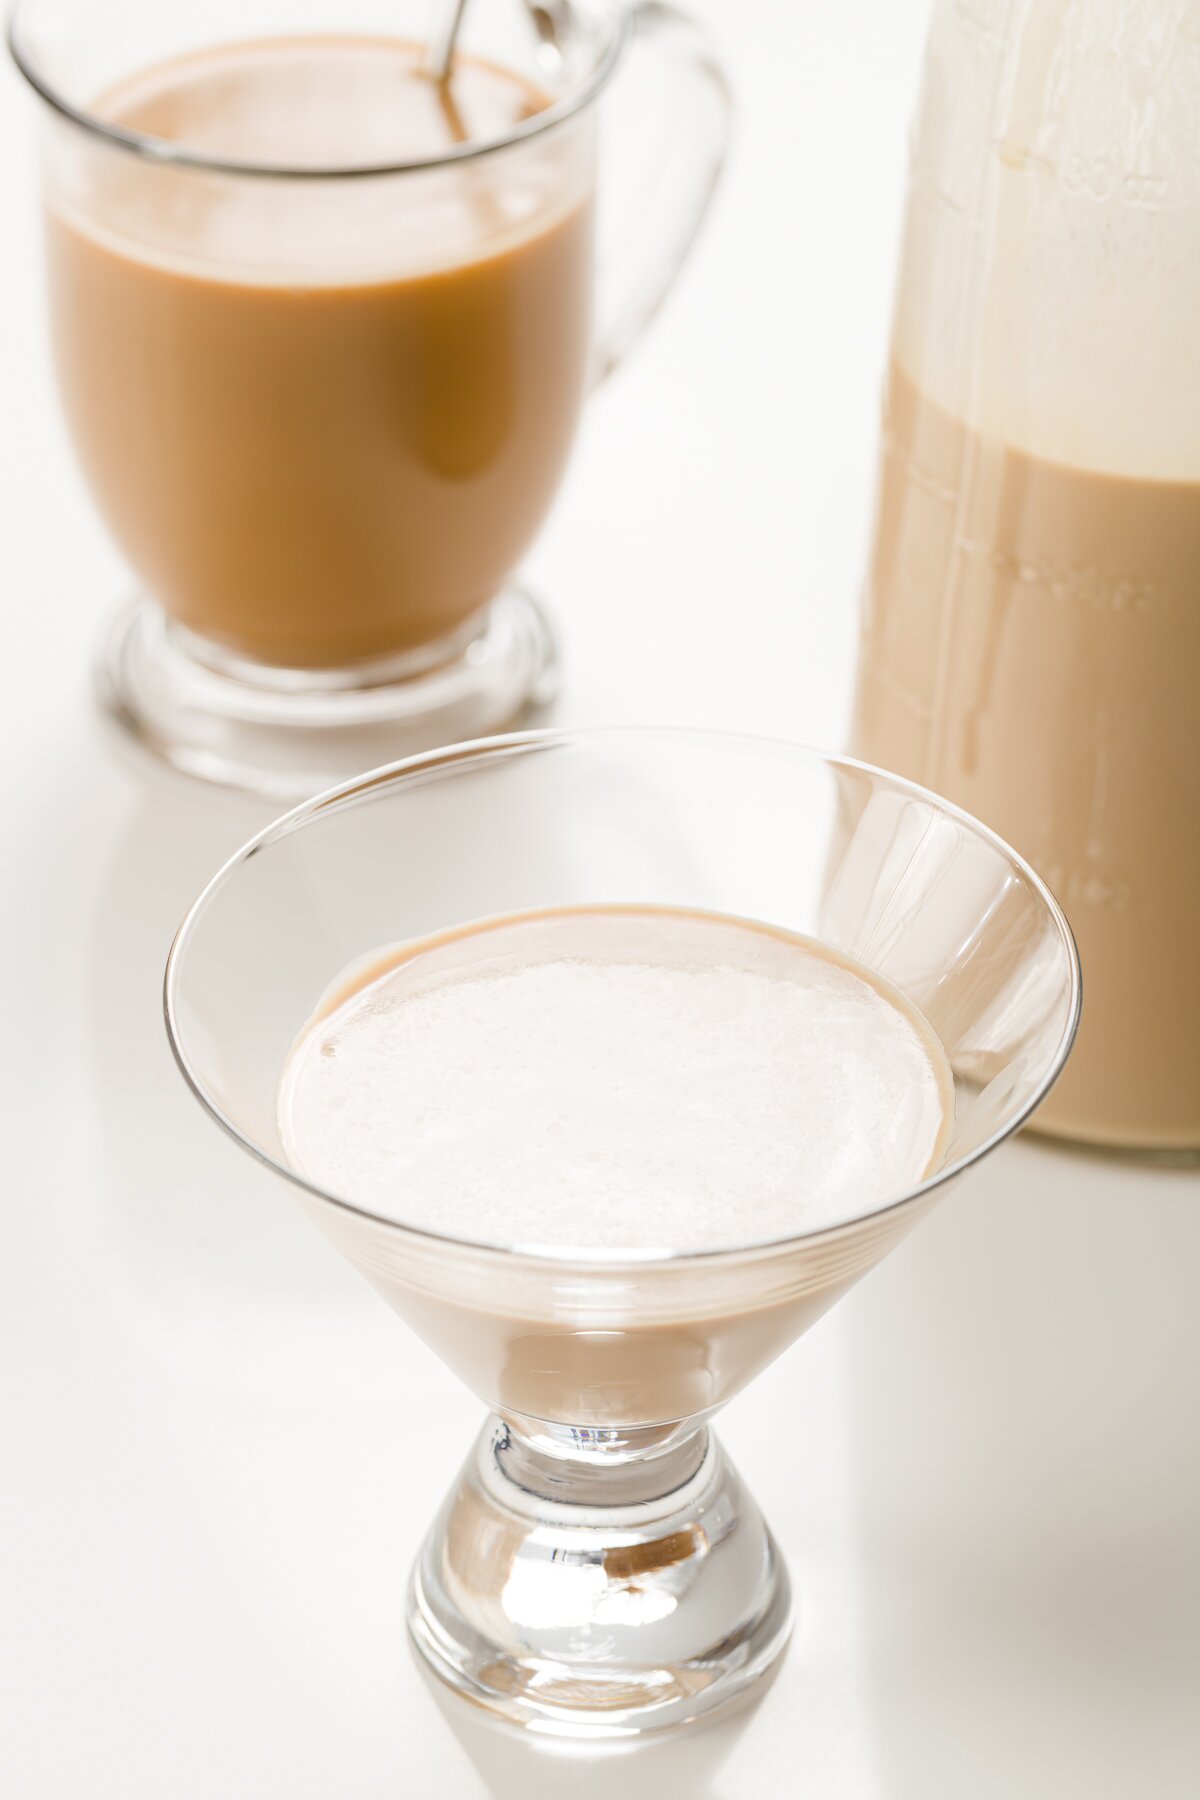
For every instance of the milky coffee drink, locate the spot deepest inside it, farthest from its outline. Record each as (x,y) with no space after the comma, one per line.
(607,1080)
(322,419)
(1030,649)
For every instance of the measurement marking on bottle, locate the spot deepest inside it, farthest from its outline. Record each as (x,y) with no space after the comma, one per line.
(883,676)
(1097,176)
(940,199)
(987,19)
(1100,177)
(1064,579)
(929,483)
(1085,887)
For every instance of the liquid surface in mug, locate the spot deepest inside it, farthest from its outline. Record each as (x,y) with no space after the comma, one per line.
(321,102)
(1030,648)
(615,1078)
(323,419)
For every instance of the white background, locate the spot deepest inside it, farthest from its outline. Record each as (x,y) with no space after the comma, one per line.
(218,1451)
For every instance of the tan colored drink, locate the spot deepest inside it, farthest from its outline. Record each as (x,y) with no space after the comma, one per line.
(1030,649)
(608,1080)
(323,433)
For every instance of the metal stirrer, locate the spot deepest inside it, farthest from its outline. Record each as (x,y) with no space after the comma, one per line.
(439,58)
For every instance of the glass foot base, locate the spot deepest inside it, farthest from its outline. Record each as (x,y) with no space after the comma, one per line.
(287,734)
(588,1601)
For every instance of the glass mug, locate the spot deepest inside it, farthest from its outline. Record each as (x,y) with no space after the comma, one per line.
(324,405)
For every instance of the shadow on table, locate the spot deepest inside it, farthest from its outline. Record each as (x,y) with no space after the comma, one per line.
(1024,1381)
(517,1765)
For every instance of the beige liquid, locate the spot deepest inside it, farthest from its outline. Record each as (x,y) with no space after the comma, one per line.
(307,466)
(616,1080)
(1030,649)
(608,1080)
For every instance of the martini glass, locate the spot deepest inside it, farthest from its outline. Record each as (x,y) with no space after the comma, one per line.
(599,1569)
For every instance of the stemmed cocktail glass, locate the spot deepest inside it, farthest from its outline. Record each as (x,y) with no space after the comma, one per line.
(599,1568)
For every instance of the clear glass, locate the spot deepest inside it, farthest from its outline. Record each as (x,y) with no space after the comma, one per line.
(1031,628)
(324,408)
(599,1569)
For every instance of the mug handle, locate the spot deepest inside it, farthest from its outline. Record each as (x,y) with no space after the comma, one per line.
(666,213)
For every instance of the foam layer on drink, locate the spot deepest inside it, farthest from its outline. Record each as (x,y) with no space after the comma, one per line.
(615,1078)
(321,102)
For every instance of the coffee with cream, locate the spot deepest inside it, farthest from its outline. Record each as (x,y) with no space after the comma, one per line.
(1030,646)
(323,418)
(603,1083)
(615,1079)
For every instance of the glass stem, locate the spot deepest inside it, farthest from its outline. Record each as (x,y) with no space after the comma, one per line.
(589,1465)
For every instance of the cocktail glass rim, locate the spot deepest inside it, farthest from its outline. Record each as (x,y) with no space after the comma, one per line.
(415,767)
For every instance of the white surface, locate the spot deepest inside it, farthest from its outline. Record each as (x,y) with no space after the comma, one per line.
(218,1451)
